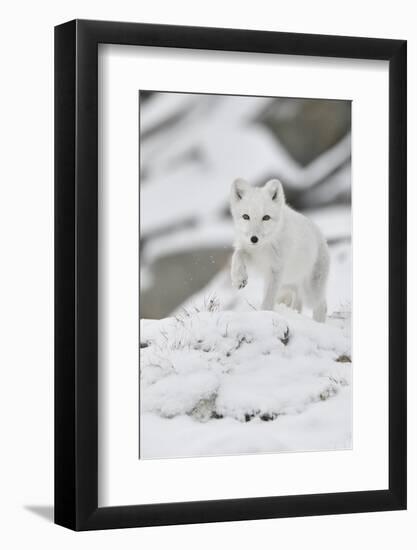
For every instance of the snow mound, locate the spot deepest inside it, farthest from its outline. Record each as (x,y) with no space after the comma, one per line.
(212,365)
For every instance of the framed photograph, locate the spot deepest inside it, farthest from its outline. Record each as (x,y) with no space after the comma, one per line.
(230,275)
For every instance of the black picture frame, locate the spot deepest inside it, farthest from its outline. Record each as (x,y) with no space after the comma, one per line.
(76,272)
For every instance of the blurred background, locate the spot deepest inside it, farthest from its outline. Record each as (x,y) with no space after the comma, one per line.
(192,146)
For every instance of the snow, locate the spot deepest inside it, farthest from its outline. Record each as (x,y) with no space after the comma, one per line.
(326,426)
(335,222)
(218,382)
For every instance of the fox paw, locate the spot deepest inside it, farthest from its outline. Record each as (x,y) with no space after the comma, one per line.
(242,283)
(239,282)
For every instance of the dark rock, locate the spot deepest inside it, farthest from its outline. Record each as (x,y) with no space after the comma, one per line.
(266,417)
(314,126)
(178,276)
(285,339)
(344,359)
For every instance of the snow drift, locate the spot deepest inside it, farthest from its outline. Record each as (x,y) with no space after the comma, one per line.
(218,374)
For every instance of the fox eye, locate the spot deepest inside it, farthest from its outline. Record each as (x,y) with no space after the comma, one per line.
(266,218)
(245,217)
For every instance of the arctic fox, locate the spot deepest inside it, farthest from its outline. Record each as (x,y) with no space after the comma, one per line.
(286,246)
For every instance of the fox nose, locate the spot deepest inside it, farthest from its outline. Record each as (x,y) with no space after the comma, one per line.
(254,239)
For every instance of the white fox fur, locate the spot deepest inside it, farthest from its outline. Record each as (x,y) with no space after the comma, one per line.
(290,251)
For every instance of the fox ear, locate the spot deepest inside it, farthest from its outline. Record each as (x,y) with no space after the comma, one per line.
(239,188)
(275,190)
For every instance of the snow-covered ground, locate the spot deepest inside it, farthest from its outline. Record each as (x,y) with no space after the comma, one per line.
(224,382)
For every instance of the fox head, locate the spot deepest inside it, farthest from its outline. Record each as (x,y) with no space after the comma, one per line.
(256,211)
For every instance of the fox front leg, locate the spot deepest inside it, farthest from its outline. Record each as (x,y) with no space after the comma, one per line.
(273,281)
(239,273)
